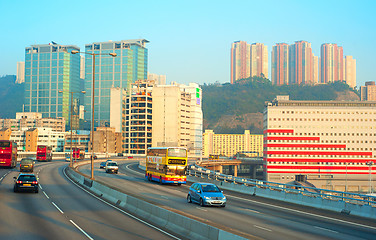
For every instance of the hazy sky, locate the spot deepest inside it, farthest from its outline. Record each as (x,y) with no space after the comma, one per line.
(190,41)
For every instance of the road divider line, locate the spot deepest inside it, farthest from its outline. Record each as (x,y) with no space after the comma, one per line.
(262,228)
(78,227)
(252,210)
(45,194)
(58,208)
(40,186)
(329,230)
(201,209)
(127,167)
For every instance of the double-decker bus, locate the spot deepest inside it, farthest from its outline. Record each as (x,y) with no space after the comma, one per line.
(78,154)
(166,165)
(8,153)
(44,153)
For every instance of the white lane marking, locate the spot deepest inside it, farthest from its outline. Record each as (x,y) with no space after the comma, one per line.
(252,210)
(311,214)
(262,228)
(58,208)
(87,235)
(45,194)
(1,179)
(202,209)
(127,167)
(329,230)
(40,186)
(128,214)
(164,197)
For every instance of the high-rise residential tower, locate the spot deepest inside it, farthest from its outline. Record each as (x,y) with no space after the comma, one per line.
(259,60)
(280,64)
(20,72)
(350,71)
(50,68)
(301,63)
(331,63)
(240,60)
(129,65)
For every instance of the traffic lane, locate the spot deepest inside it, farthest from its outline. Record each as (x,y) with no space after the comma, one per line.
(271,204)
(30,215)
(96,218)
(310,224)
(172,196)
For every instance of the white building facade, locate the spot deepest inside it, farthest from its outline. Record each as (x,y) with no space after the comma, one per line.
(331,142)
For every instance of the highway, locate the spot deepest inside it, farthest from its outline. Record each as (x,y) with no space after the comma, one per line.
(62,210)
(249,216)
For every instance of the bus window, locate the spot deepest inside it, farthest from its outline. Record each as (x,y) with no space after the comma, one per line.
(177,152)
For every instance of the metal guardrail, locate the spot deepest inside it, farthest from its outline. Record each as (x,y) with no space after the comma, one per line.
(354,198)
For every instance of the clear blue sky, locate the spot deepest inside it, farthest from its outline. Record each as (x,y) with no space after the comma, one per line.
(190,41)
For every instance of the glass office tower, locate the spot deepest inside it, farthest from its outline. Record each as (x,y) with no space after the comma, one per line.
(50,68)
(129,65)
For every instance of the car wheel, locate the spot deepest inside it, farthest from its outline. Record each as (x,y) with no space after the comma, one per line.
(189,200)
(224,205)
(14,189)
(36,191)
(202,203)
(160,180)
(149,177)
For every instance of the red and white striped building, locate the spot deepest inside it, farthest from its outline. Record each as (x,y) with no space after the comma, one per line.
(333,143)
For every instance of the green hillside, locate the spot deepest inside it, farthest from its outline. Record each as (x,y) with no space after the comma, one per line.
(11,96)
(248,96)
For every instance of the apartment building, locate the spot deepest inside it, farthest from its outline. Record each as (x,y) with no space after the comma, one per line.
(230,144)
(33,120)
(137,125)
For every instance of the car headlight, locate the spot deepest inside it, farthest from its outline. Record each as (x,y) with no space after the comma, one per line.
(224,198)
(207,198)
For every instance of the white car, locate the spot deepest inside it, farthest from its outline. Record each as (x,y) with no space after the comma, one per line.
(111,167)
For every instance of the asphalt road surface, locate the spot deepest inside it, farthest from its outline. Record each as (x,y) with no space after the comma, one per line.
(249,216)
(62,210)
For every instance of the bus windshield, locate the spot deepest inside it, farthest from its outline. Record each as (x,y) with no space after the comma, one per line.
(177,152)
(175,170)
(4,144)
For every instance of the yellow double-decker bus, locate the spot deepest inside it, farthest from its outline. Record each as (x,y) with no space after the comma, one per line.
(166,165)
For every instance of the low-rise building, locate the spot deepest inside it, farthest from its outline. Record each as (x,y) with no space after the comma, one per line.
(33,120)
(231,144)
(28,139)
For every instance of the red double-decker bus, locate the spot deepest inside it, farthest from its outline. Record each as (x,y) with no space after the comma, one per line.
(78,154)
(8,153)
(44,153)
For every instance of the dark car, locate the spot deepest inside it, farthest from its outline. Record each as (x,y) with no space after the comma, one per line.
(206,194)
(27,165)
(120,154)
(27,182)
(103,164)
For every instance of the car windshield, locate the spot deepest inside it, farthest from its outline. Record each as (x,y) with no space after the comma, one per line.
(112,164)
(210,188)
(26,161)
(27,178)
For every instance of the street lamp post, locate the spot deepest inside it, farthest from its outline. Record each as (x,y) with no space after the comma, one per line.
(92,104)
(370,163)
(71,114)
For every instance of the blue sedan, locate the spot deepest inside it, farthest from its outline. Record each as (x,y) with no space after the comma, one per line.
(206,194)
